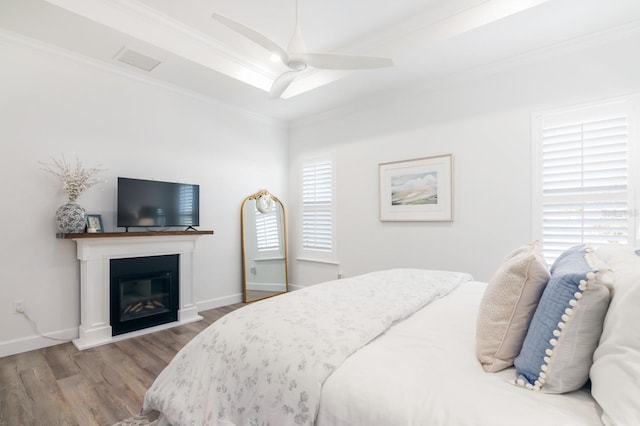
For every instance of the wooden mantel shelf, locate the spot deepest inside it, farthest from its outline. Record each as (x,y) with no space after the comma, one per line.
(129,234)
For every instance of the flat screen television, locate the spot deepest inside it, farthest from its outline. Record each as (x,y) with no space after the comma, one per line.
(150,203)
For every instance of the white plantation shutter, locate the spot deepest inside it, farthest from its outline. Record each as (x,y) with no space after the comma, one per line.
(317,230)
(317,227)
(267,232)
(585,195)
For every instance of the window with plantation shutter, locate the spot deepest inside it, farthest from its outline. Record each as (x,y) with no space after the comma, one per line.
(584,191)
(318,217)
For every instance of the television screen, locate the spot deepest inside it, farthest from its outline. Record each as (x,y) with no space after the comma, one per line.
(148,203)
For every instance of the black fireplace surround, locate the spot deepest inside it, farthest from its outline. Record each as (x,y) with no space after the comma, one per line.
(144,292)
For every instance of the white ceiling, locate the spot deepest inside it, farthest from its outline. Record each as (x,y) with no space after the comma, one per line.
(429,40)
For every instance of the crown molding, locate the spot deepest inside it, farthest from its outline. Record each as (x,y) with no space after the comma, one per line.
(14,39)
(136,7)
(141,22)
(576,44)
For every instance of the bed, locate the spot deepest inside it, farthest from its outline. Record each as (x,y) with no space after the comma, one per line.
(400,347)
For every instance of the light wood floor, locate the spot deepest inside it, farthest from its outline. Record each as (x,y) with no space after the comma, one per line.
(61,385)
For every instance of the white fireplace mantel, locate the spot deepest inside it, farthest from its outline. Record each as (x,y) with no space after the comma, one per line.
(95,252)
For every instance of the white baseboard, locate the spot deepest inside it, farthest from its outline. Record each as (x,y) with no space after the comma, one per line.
(230,300)
(30,343)
(33,342)
(219,301)
(265,286)
(294,287)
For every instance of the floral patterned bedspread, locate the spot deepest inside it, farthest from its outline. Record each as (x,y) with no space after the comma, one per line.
(264,364)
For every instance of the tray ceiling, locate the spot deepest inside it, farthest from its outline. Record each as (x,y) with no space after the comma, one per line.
(429,41)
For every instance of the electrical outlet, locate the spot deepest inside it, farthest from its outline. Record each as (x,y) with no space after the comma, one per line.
(19,306)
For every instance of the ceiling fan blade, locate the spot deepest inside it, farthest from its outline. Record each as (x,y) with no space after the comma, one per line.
(252,35)
(330,61)
(281,83)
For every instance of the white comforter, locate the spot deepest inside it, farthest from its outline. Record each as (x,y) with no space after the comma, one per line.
(424,371)
(265,364)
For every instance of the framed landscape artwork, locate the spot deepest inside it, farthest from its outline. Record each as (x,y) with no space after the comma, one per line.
(417,190)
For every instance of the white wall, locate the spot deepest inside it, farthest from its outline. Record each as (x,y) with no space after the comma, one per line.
(50,106)
(485,124)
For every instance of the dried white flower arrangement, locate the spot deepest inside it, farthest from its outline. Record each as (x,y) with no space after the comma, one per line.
(74,181)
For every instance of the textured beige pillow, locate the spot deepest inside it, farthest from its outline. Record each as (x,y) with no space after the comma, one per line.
(507,307)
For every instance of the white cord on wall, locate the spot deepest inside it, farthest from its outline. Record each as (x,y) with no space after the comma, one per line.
(35,328)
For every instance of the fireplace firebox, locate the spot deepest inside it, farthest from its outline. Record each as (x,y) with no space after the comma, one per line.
(144,292)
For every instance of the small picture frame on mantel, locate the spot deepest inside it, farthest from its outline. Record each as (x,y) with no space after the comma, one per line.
(94,223)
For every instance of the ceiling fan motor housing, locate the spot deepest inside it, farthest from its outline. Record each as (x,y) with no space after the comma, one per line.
(296,65)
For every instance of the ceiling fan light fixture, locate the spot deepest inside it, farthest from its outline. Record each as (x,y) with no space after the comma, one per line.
(275,58)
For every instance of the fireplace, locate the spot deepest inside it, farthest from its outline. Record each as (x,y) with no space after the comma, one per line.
(95,253)
(144,292)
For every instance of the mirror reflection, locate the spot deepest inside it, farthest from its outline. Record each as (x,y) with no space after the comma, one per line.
(264,248)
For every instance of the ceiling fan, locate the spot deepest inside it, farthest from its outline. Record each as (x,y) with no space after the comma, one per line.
(296,57)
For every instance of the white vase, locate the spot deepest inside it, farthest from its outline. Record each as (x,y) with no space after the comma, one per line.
(71,218)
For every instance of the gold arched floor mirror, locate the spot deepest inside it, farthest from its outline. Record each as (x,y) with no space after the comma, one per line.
(264,246)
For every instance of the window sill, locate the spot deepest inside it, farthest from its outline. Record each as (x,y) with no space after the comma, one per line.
(316,260)
(260,259)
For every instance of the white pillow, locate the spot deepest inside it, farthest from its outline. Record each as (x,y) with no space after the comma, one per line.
(615,374)
(507,306)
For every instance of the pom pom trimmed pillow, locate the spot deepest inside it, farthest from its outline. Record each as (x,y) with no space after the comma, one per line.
(507,306)
(557,352)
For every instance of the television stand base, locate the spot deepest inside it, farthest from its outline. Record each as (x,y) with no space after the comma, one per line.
(190,228)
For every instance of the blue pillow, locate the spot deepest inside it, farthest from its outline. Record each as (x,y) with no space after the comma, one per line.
(557,351)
